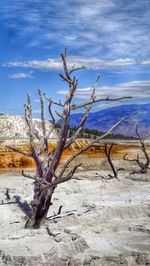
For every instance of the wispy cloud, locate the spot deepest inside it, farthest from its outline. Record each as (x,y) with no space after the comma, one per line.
(110,104)
(21,75)
(89,62)
(136,89)
(111,36)
(146,62)
(36,111)
(112,28)
(37,64)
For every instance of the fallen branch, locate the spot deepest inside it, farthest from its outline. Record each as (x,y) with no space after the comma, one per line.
(55,216)
(59,210)
(17,222)
(7,194)
(51,234)
(7,203)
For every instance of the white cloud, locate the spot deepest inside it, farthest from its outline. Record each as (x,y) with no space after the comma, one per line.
(108,105)
(137,84)
(146,62)
(88,62)
(21,75)
(37,64)
(111,28)
(136,89)
(105,105)
(38,111)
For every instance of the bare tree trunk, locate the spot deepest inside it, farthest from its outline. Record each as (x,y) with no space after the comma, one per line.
(108,155)
(40,206)
(143,165)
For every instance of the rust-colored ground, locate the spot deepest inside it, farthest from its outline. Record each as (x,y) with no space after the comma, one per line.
(11,159)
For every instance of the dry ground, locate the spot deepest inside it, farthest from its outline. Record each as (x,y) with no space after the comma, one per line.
(102,222)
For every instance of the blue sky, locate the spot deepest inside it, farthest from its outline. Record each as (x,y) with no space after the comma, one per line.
(110,38)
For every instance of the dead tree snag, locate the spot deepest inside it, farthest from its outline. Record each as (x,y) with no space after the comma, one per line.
(108,149)
(143,164)
(49,173)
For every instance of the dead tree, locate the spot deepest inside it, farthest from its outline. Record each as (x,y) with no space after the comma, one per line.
(108,149)
(49,173)
(143,164)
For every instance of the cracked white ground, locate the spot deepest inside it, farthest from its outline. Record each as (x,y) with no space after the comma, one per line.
(102,222)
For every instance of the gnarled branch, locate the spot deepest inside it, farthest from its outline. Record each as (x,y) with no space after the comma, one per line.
(48,173)
(18,151)
(108,150)
(65,178)
(96,100)
(109,131)
(28,176)
(144,165)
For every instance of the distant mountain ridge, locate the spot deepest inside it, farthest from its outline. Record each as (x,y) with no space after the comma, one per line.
(104,119)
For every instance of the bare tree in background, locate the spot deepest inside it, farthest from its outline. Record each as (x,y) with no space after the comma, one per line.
(108,148)
(143,164)
(49,172)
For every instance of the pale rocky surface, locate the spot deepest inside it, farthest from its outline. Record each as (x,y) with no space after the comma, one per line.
(103,222)
(14,127)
